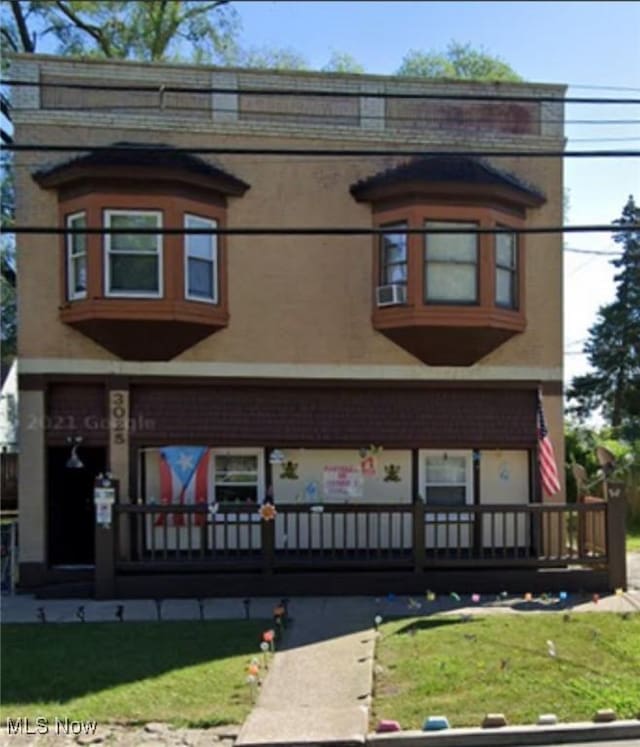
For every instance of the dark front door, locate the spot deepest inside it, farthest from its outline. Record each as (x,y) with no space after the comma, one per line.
(71,512)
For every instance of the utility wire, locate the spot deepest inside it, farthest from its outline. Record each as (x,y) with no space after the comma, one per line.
(596,252)
(322,92)
(360,152)
(315,231)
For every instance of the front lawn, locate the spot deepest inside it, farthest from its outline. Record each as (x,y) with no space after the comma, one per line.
(187,673)
(633,535)
(501,663)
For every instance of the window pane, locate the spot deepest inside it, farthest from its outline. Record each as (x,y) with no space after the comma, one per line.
(451,247)
(200,247)
(393,258)
(79,274)
(447,282)
(200,278)
(446,496)
(134,273)
(395,274)
(505,245)
(504,287)
(394,247)
(234,462)
(134,242)
(451,470)
(78,242)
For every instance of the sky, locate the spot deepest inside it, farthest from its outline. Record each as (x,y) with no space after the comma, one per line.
(574,43)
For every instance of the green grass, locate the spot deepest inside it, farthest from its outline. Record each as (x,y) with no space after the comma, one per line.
(500,663)
(633,535)
(186,673)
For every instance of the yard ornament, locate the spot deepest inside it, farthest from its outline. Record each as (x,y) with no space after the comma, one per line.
(475,598)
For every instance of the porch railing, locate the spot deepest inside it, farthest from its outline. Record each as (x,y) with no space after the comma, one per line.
(189,545)
(371,535)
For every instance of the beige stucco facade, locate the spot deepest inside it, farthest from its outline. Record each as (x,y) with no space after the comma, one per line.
(300,307)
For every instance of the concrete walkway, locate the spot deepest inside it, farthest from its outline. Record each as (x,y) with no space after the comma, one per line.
(319,686)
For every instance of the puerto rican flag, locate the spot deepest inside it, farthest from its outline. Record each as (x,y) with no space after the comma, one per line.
(184,479)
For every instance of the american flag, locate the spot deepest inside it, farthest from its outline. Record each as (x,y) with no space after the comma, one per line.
(546,457)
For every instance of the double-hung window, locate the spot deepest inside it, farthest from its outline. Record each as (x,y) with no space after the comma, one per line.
(393,255)
(201,261)
(76,258)
(451,264)
(133,260)
(237,478)
(506,270)
(447,478)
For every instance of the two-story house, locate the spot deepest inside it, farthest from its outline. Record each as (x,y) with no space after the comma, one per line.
(393,363)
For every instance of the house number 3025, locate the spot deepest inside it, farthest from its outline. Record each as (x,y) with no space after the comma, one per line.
(119,407)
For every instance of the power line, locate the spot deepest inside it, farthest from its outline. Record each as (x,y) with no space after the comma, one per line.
(360,152)
(315,231)
(597,252)
(602,87)
(321,93)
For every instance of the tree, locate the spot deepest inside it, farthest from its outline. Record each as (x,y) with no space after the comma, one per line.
(265,58)
(138,29)
(613,345)
(460,61)
(8,282)
(343,62)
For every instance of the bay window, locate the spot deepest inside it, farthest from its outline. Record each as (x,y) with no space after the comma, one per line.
(133,260)
(451,264)
(76,258)
(201,261)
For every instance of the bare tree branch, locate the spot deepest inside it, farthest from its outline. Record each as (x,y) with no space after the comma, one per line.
(93,31)
(28,44)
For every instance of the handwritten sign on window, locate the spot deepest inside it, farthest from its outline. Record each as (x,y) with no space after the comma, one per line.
(342,482)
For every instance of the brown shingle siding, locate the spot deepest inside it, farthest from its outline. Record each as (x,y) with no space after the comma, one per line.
(227,416)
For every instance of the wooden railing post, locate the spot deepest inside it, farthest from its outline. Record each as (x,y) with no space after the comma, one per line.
(105,558)
(419,553)
(268,534)
(616,534)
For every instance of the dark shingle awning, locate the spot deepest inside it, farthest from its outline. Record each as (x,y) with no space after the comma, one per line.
(130,159)
(446,175)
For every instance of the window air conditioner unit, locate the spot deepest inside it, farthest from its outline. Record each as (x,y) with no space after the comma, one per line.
(391,295)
